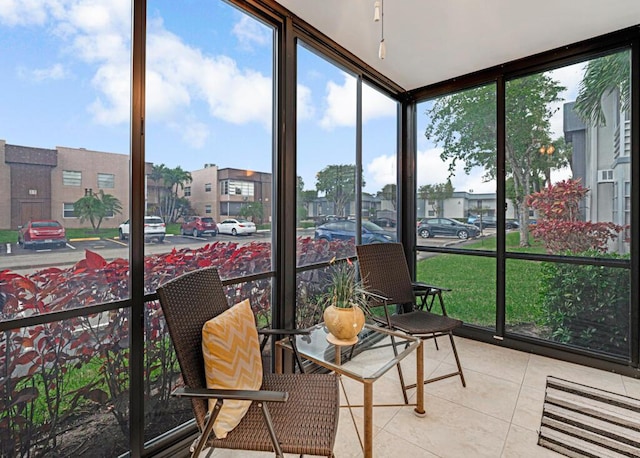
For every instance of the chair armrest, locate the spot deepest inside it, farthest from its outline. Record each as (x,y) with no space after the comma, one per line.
(377,296)
(419,286)
(240,395)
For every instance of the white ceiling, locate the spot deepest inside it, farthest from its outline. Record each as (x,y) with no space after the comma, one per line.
(429,41)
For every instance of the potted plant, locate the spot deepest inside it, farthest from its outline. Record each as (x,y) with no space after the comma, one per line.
(343,302)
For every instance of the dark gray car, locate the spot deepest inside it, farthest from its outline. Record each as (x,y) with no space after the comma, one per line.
(431,227)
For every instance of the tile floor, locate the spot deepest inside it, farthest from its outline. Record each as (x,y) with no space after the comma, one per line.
(495,416)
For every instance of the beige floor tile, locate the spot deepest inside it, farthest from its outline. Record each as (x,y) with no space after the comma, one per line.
(490,359)
(483,393)
(523,443)
(632,387)
(528,413)
(451,430)
(540,367)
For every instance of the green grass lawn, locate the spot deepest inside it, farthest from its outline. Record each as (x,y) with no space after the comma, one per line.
(473,284)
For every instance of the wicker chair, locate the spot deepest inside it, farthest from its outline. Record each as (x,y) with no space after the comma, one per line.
(302,412)
(385,277)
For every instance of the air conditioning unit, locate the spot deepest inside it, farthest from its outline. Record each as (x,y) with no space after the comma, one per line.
(605,176)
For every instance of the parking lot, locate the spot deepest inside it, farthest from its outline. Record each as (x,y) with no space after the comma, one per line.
(21,260)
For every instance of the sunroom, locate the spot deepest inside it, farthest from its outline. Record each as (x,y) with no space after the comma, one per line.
(512,121)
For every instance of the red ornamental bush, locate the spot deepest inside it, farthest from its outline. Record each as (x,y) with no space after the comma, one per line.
(559,225)
(35,363)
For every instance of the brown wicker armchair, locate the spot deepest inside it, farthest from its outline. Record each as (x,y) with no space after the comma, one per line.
(385,277)
(291,413)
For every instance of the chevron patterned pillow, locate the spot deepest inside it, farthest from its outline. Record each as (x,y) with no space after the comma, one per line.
(232,361)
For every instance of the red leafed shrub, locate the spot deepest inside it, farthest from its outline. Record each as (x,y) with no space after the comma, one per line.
(559,225)
(37,363)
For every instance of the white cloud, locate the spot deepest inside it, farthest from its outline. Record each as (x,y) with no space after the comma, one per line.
(304,104)
(250,32)
(23,12)
(179,77)
(570,78)
(340,108)
(432,170)
(55,72)
(380,171)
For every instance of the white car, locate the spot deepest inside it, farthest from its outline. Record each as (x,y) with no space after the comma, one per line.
(236,226)
(154,228)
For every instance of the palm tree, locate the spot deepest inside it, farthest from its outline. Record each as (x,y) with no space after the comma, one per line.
(602,77)
(95,207)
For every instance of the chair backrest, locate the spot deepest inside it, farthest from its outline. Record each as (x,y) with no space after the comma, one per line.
(188,302)
(384,270)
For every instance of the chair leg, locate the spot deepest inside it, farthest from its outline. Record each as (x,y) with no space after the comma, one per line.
(455,353)
(272,431)
(202,440)
(402,384)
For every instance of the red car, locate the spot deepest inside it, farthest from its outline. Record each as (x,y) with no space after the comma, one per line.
(41,233)
(199,225)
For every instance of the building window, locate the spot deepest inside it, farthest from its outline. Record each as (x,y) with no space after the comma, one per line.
(71,178)
(187,191)
(106,180)
(237,187)
(207,209)
(67,210)
(207,187)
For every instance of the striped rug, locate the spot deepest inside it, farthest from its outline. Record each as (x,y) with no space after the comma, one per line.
(581,421)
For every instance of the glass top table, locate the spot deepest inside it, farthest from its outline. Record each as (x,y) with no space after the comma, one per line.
(360,362)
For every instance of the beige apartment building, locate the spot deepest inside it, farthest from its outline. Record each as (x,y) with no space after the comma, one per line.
(221,193)
(40,183)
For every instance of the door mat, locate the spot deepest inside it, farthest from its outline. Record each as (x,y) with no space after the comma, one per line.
(581,421)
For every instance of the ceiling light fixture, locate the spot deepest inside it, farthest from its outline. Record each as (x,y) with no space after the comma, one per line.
(378,16)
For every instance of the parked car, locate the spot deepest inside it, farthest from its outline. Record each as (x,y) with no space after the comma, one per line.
(41,233)
(430,227)
(491,221)
(329,219)
(346,229)
(199,225)
(384,221)
(154,229)
(236,226)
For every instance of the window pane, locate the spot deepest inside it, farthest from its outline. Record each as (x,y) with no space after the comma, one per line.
(472,281)
(68,384)
(106,180)
(209,111)
(68,89)
(575,155)
(379,159)
(584,306)
(209,123)
(71,178)
(456,171)
(326,134)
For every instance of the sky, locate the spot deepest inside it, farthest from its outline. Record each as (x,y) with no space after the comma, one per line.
(209,91)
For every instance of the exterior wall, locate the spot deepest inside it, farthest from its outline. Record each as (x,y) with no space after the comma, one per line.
(200,198)
(30,182)
(5,190)
(90,163)
(230,204)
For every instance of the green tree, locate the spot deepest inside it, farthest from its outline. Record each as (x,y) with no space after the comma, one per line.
(168,182)
(389,192)
(338,183)
(465,125)
(436,193)
(602,77)
(253,211)
(95,207)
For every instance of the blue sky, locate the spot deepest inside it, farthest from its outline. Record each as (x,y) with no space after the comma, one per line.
(209,82)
